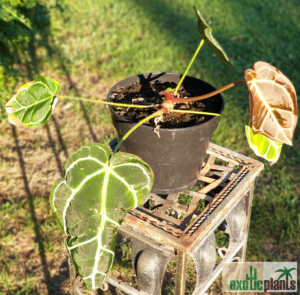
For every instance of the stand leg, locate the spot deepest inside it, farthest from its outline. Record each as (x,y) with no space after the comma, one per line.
(248,205)
(205,259)
(237,225)
(149,266)
(180,277)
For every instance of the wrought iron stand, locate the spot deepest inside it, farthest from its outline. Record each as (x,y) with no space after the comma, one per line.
(163,229)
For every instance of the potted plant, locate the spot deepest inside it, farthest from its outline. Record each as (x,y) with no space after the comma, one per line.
(99,186)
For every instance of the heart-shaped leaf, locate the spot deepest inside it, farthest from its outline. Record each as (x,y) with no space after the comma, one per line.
(91,201)
(32,105)
(205,32)
(263,147)
(273,103)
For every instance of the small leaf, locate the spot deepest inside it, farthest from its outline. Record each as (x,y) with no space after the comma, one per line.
(91,201)
(273,103)
(263,147)
(206,33)
(169,89)
(32,105)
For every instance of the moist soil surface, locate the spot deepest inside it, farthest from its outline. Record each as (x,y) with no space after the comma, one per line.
(148,94)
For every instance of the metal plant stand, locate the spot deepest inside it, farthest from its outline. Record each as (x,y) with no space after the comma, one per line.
(163,229)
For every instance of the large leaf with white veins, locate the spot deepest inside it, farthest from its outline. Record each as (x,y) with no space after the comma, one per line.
(273,103)
(263,147)
(32,105)
(205,31)
(91,201)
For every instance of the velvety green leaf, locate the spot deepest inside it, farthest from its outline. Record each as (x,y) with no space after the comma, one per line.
(263,146)
(32,105)
(91,201)
(205,32)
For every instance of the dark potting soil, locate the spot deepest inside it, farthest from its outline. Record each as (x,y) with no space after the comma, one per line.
(140,94)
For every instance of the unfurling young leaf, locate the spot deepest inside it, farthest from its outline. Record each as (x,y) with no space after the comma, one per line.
(273,103)
(32,105)
(206,33)
(91,201)
(263,147)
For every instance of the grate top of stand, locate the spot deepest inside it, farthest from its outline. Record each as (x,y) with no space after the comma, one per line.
(182,220)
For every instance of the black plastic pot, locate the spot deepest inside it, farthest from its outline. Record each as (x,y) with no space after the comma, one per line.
(177,156)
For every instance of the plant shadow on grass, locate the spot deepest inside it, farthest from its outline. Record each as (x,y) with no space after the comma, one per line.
(62,60)
(36,226)
(30,60)
(31,72)
(54,284)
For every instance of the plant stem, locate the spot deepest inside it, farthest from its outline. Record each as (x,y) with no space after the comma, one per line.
(187,69)
(158,113)
(194,112)
(112,103)
(196,98)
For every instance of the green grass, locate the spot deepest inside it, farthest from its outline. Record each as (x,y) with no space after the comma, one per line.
(102,42)
(18,243)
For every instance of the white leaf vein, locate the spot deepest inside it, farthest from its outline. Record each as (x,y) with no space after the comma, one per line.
(74,191)
(139,166)
(269,109)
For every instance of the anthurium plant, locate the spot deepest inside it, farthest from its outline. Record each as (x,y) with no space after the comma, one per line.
(100,186)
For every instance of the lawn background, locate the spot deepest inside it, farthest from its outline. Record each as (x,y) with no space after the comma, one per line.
(94,45)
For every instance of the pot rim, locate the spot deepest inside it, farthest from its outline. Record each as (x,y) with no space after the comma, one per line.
(165,129)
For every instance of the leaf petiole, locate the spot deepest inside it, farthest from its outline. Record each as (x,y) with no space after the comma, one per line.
(187,69)
(111,103)
(201,97)
(194,112)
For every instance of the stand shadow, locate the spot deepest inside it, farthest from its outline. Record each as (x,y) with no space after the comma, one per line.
(40,25)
